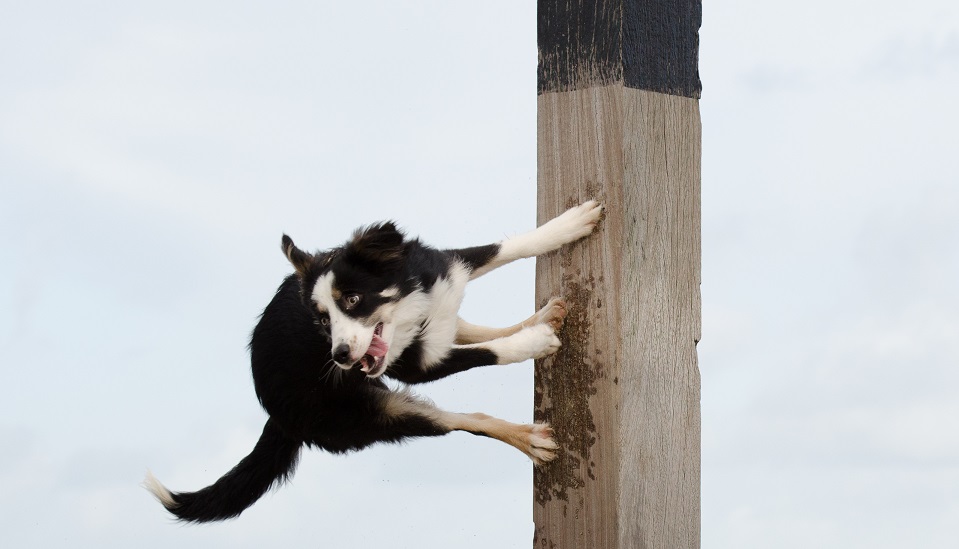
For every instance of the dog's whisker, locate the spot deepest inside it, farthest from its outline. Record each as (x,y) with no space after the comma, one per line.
(333,373)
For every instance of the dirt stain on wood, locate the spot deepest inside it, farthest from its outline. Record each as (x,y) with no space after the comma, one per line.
(571,375)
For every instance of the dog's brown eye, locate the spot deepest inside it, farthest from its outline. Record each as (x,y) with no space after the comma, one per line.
(351,300)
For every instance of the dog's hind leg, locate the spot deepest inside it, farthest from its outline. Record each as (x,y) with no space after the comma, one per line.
(573,224)
(406,415)
(553,314)
(536,440)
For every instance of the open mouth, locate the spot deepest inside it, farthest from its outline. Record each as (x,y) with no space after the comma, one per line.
(372,361)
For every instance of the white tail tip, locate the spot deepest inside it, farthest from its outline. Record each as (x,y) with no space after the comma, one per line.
(159,491)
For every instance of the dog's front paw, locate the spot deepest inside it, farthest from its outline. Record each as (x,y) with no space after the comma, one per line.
(542,340)
(532,342)
(542,448)
(576,222)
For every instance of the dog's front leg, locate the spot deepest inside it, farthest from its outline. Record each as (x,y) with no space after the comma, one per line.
(459,359)
(532,342)
(572,225)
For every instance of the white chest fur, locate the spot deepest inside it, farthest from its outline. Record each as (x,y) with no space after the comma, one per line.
(437,310)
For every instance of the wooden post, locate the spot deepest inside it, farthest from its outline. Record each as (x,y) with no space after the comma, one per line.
(619,121)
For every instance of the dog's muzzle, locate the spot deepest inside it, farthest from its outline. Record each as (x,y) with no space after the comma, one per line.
(342,354)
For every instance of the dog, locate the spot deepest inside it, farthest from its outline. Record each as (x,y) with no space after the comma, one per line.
(380,305)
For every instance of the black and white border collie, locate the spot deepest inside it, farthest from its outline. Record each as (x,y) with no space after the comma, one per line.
(379,305)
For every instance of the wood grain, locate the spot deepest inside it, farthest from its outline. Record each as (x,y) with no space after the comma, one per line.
(623,392)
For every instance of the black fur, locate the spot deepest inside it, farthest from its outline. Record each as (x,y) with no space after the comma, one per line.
(477,256)
(459,360)
(310,400)
(377,248)
(272,461)
(398,298)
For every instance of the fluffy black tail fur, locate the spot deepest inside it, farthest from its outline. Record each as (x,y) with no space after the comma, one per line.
(272,461)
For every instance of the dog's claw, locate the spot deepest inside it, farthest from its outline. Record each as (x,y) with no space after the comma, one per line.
(553,313)
(542,447)
(548,342)
(585,216)
(573,224)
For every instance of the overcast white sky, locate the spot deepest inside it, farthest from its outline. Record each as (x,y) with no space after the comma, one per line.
(152,153)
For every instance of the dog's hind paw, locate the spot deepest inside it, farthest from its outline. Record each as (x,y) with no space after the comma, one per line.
(554,314)
(542,447)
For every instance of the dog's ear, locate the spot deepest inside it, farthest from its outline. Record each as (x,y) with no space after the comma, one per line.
(301,260)
(377,246)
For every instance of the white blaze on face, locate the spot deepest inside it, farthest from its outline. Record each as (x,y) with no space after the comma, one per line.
(343,328)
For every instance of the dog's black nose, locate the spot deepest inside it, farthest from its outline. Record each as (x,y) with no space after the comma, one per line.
(342,353)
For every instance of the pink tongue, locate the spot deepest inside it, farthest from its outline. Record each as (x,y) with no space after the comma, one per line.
(378,346)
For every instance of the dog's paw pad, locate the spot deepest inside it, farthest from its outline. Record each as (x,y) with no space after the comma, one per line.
(580,221)
(533,342)
(553,314)
(545,341)
(591,212)
(542,446)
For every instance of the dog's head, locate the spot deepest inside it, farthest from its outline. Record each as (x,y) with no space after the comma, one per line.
(352,291)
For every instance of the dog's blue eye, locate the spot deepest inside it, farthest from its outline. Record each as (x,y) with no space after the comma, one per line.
(352,300)
(325,320)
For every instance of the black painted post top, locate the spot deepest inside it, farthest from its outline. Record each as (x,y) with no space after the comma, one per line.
(645,44)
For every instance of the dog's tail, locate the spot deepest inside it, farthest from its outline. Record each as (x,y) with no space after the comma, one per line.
(272,461)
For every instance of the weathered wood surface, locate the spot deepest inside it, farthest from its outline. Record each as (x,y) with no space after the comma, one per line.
(623,393)
(618,86)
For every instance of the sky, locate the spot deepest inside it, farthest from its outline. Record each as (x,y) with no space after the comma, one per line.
(152,153)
